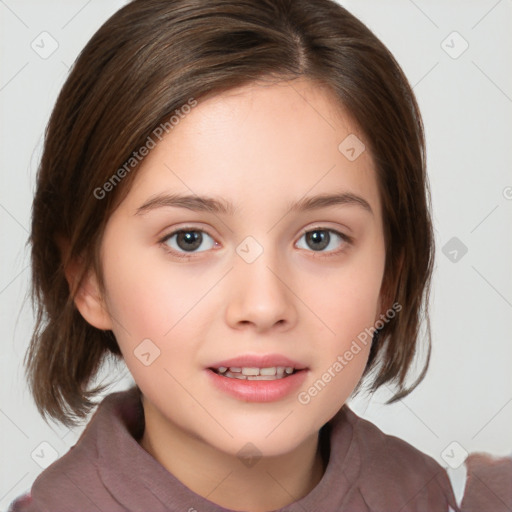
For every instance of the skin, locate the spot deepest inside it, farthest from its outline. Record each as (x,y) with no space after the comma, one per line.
(261,147)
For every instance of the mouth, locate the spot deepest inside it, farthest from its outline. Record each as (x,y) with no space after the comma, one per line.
(258,377)
(254,373)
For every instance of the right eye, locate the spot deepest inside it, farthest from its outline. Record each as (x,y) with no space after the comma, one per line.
(188,241)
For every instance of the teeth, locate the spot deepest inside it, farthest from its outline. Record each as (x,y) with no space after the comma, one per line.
(251,373)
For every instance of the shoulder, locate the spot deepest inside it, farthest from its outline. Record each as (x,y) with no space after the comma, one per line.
(75,480)
(71,478)
(489,483)
(384,451)
(394,475)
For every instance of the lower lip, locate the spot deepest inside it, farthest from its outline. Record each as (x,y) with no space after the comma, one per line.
(258,390)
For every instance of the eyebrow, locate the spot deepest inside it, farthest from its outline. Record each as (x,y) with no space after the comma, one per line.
(190,202)
(326,200)
(221,206)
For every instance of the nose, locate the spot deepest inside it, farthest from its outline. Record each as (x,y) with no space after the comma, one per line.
(261,297)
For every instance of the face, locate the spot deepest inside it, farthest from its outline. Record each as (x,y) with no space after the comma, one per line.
(248,240)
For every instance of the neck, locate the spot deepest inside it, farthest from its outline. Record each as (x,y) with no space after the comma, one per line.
(254,485)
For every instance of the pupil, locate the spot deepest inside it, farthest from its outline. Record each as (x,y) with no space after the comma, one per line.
(189,240)
(318,240)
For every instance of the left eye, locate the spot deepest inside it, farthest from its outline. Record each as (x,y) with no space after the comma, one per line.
(189,241)
(321,240)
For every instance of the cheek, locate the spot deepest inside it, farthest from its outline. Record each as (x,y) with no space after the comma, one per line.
(148,300)
(347,299)
(347,302)
(349,310)
(140,299)
(148,295)
(153,327)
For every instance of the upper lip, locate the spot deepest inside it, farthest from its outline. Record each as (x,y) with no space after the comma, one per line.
(259,361)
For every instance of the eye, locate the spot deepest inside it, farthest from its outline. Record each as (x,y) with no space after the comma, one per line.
(322,240)
(189,241)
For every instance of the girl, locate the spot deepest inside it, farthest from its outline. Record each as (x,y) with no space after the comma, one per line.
(232,198)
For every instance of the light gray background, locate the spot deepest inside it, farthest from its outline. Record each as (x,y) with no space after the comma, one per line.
(466,101)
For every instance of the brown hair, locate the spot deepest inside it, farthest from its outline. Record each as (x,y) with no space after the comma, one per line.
(141,66)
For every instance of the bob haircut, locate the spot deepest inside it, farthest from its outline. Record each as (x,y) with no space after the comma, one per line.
(139,69)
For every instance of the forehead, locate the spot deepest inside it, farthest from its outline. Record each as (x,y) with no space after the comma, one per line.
(265,141)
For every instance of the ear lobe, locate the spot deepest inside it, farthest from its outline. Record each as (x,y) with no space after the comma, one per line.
(89,301)
(85,290)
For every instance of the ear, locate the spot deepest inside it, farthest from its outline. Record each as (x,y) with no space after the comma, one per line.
(91,304)
(85,290)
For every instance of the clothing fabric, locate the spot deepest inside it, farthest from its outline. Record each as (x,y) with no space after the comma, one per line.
(108,471)
(489,484)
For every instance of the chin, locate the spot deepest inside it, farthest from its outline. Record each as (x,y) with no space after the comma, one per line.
(265,438)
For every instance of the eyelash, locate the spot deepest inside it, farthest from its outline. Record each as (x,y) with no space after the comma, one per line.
(182,255)
(346,240)
(317,254)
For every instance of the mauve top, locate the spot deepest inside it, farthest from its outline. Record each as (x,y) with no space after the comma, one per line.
(108,471)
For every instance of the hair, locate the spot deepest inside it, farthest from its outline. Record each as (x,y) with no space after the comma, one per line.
(146,62)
